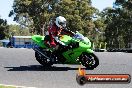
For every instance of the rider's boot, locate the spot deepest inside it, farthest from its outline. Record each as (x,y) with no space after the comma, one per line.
(58,54)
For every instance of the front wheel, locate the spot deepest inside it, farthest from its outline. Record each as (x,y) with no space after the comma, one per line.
(89,60)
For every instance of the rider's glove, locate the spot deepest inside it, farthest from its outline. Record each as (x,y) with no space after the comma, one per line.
(57,39)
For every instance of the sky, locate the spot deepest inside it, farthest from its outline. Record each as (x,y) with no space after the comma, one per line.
(6,7)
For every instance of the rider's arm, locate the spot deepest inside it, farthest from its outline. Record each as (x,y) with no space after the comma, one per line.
(55,35)
(68,32)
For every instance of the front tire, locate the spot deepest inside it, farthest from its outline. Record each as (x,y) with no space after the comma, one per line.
(89,60)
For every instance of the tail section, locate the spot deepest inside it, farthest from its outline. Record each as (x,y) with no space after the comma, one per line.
(39,40)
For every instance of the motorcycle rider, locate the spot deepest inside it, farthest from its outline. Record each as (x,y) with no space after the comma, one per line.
(55,30)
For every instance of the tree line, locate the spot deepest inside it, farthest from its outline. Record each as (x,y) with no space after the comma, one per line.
(111,27)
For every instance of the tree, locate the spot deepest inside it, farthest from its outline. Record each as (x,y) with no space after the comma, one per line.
(17,30)
(3,29)
(126,15)
(36,13)
(118,24)
(31,13)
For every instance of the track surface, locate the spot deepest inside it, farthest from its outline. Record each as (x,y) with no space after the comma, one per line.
(19,67)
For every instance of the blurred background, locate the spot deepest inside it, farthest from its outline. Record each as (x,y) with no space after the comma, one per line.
(107,23)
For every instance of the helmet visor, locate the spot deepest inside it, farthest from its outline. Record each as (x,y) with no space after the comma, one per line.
(63,24)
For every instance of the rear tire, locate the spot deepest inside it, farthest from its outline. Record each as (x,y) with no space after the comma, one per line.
(89,60)
(42,60)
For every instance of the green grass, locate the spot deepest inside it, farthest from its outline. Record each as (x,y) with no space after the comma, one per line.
(1,86)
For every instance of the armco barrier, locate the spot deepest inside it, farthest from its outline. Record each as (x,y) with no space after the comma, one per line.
(114,50)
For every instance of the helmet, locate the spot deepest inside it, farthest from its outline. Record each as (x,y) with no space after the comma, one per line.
(60,22)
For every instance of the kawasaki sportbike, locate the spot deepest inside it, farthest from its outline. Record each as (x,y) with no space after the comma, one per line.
(77,50)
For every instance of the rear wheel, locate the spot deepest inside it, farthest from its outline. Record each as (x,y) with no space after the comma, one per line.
(42,60)
(89,60)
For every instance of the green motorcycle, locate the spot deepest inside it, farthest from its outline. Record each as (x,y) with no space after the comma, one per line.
(77,50)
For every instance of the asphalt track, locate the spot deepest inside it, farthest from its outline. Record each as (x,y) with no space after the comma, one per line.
(19,67)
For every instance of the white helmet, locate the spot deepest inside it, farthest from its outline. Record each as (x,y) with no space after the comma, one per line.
(60,21)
